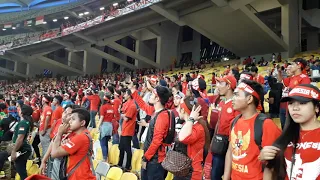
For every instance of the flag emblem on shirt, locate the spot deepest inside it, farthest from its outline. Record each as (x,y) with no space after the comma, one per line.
(21,129)
(69,143)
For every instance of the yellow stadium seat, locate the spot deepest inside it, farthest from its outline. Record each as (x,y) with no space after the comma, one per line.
(136,161)
(95,163)
(34,169)
(114,155)
(114,173)
(277,122)
(169,176)
(99,155)
(29,164)
(17,177)
(129,176)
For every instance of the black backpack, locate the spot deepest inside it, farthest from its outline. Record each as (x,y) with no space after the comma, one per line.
(63,175)
(169,139)
(258,127)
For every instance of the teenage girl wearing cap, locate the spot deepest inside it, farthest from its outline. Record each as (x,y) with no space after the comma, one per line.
(297,151)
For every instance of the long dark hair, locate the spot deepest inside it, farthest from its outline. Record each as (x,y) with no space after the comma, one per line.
(200,121)
(290,133)
(30,120)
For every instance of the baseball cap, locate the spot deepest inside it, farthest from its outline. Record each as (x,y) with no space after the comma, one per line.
(303,93)
(230,79)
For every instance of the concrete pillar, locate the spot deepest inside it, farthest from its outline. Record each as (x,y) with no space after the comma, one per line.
(291,26)
(147,49)
(121,69)
(312,40)
(20,67)
(92,63)
(31,70)
(75,60)
(192,46)
(167,43)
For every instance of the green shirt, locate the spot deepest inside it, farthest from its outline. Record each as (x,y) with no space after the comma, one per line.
(23,127)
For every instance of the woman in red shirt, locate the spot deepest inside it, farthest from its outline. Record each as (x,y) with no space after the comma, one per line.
(299,142)
(195,135)
(105,124)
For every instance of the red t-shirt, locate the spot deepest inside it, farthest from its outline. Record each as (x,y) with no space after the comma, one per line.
(77,146)
(55,128)
(36,114)
(130,111)
(226,115)
(245,152)
(107,111)
(94,102)
(259,79)
(213,80)
(47,111)
(195,142)
(307,156)
(116,106)
(57,114)
(184,87)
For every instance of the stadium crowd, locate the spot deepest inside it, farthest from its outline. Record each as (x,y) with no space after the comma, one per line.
(184,130)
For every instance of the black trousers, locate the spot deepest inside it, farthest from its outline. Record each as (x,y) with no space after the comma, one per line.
(20,164)
(35,144)
(125,146)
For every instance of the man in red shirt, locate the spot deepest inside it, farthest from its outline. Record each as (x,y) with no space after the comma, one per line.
(259,79)
(241,161)
(76,145)
(213,79)
(45,124)
(116,105)
(94,105)
(57,113)
(129,110)
(296,77)
(225,86)
(154,148)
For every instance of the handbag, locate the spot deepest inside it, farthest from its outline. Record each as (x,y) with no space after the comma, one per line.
(178,163)
(219,143)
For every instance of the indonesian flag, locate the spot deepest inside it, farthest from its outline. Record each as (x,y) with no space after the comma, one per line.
(27,22)
(8,25)
(39,20)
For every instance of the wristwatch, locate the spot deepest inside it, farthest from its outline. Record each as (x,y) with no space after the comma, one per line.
(191,119)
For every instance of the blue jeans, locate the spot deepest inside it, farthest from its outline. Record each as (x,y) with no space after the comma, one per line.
(283,114)
(93,119)
(115,139)
(217,169)
(135,142)
(104,146)
(153,171)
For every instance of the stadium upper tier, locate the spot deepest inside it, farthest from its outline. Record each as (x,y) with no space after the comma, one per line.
(18,40)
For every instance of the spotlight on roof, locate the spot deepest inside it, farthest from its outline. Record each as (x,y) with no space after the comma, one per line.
(54,20)
(115,4)
(66,18)
(81,14)
(29,25)
(86,13)
(3,29)
(44,22)
(102,8)
(13,27)
(129,0)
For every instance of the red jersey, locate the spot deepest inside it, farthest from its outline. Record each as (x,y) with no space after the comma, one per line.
(47,112)
(307,156)
(259,79)
(107,111)
(55,128)
(245,152)
(226,115)
(130,111)
(94,102)
(57,114)
(195,143)
(116,106)
(184,87)
(77,146)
